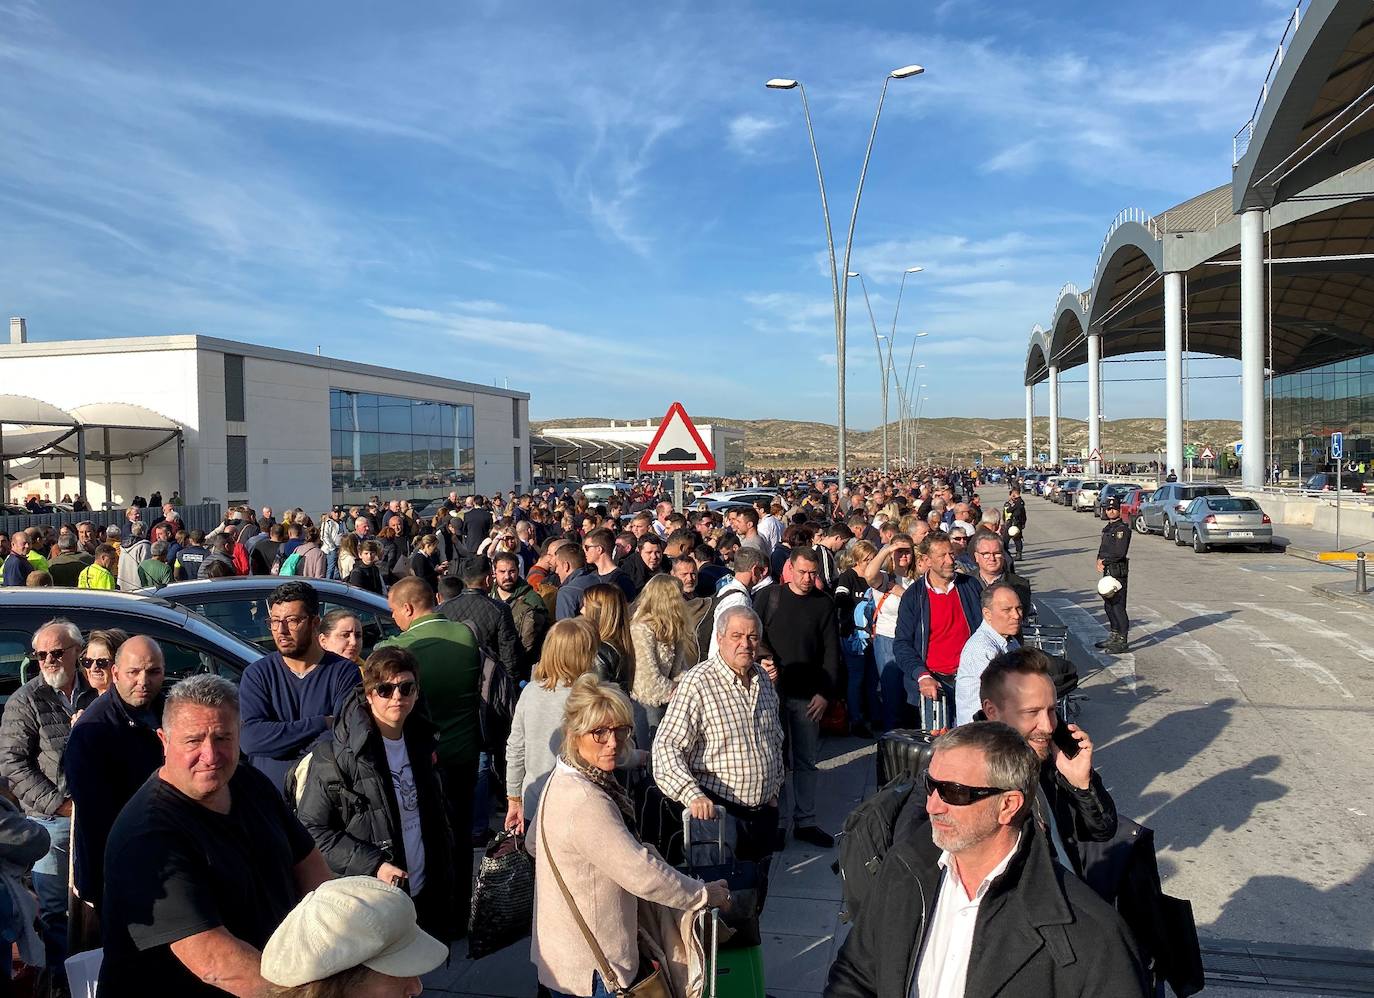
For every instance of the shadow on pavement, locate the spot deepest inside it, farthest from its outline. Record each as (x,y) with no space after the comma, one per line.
(1228,799)
(1283,906)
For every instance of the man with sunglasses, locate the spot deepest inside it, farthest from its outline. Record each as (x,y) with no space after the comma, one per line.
(113,749)
(969,900)
(288,700)
(34,731)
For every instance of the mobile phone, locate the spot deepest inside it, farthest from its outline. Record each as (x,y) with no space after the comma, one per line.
(1064,739)
(402,881)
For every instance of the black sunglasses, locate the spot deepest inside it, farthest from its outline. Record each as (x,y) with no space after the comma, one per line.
(385,690)
(958,795)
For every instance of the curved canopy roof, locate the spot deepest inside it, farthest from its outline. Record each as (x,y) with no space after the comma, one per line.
(29,427)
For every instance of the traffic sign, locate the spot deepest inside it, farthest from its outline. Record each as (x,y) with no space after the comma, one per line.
(1190,451)
(1042,457)
(1337,445)
(1238,449)
(677,446)
(1096,455)
(1208,454)
(1006,459)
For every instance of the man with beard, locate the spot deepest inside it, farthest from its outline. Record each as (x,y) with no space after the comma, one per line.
(969,901)
(34,731)
(113,749)
(288,700)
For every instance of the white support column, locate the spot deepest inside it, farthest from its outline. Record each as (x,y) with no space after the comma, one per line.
(1173,373)
(1094,400)
(1054,414)
(1030,424)
(1252,348)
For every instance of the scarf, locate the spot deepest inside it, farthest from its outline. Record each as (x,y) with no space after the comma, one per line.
(608,785)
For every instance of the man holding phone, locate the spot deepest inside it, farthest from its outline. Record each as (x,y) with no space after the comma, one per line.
(1017,690)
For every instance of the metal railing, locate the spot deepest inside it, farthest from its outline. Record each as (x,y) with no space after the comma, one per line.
(1125,215)
(1240,142)
(203,516)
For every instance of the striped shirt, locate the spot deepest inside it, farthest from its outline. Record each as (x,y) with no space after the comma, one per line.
(720,734)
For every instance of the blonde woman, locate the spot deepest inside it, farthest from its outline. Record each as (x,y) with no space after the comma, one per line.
(569,651)
(665,646)
(605,606)
(348,554)
(585,830)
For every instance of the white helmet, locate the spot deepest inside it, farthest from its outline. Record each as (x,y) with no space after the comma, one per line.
(1108,586)
(1013,530)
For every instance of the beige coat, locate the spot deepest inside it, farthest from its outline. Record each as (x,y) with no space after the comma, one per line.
(657,666)
(607,871)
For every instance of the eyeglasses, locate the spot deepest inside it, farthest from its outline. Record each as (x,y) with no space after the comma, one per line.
(290,623)
(386,690)
(958,795)
(602,735)
(55,653)
(96,664)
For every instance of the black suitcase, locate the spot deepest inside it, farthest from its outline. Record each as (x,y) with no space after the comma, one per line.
(906,751)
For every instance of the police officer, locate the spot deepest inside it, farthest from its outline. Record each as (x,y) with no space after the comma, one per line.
(1112,562)
(1014,516)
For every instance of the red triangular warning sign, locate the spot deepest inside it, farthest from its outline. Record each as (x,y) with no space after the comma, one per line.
(677,446)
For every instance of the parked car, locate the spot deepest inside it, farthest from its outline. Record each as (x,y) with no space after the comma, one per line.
(1130,505)
(1068,488)
(1086,496)
(1115,490)
(239,605)
(1169,501)
(1325,481)
(190,644)
(1211,521)
(601,491)
(749,496)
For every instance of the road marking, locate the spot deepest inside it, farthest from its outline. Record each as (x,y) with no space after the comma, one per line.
(1087,629)
(1296,589)
(1191,648)
(1286,655)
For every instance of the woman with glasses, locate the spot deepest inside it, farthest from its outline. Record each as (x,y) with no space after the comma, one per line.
(590,862)
(569,651)
(371,798)
(97,658)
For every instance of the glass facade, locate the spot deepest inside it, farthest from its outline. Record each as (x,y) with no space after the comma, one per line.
(398,447)
(1311,405)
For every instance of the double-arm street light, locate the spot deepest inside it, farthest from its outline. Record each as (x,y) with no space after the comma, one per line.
(838,288)
(888,371)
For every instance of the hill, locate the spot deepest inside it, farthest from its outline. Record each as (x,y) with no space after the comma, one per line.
(790,442)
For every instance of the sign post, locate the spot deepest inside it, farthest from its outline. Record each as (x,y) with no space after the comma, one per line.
(677,447)
(1337,453)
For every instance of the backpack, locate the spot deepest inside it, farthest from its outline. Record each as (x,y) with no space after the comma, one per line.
(290,566)
(868,833)
(497,694)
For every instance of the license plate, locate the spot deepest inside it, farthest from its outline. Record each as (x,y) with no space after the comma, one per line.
(1241,533)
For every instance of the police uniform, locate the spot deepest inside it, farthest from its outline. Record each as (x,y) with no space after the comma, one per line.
(1014,515)
(1116,542)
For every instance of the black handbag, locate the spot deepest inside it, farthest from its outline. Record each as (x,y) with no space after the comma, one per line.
(503,900)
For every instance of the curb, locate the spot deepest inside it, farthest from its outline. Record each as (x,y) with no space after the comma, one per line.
(1352,598)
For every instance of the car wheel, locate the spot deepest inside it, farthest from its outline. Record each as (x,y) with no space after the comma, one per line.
(1198,546)
(1169,532)
(1178,538)
(1139,524)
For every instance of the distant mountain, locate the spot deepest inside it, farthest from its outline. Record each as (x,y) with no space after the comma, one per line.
(791,442)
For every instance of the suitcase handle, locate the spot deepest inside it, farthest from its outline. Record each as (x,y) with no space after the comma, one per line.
(687,841)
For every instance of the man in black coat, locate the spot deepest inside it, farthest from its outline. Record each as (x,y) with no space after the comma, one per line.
(969,900)
(112,751)
(477,524)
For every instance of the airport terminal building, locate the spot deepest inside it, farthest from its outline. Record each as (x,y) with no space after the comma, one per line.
(225,421)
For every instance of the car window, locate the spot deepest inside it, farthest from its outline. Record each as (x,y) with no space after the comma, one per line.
(245,618)
(14,649)
(1194,507)
(1232,504)
(1214,490)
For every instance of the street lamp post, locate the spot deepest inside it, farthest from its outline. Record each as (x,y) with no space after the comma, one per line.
(884,366)
(916,433)
(838,289)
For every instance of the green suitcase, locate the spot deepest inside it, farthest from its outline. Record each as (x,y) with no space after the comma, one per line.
(731,972)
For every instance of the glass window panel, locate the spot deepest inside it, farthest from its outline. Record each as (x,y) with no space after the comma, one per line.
(465,421)
(427,418)
(367,413)
(394,418)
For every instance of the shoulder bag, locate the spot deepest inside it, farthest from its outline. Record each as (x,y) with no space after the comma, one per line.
(653,986)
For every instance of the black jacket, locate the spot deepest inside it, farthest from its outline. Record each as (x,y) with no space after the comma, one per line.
(491,623)
(34,731)
(348,804)
(1081,816)
(477,524)
(110,754)
(1040,931)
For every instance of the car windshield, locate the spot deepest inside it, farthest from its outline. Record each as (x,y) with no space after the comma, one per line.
(1232,504)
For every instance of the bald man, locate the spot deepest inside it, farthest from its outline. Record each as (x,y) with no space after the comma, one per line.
(112,751)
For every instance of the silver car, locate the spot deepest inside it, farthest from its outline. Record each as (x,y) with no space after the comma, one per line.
(1162,510)
(1211,521)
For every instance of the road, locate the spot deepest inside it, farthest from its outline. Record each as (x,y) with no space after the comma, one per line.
(1238,727)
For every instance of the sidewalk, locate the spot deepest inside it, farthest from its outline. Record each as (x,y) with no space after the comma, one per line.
(801,925)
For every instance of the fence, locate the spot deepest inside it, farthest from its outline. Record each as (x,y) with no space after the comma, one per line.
(205,516)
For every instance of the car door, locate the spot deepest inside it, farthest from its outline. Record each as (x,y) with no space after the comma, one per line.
(1187,522)
(1151,507)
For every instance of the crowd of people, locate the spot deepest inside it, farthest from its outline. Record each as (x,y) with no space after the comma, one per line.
(575,654)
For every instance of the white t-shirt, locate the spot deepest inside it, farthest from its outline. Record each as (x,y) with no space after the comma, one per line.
(408,803)
(886,623)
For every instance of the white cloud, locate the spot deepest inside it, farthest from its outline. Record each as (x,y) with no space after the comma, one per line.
(747,132)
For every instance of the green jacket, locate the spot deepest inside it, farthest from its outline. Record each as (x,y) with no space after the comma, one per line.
(450,676)
(152,572)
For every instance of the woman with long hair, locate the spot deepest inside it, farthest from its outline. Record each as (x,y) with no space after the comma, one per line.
(348,555)
(851,590)
(341,631)
(569,651)
(889,573)
(590,863)
(665,646)
(605,606)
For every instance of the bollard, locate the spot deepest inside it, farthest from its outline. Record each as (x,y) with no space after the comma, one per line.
(1360,586)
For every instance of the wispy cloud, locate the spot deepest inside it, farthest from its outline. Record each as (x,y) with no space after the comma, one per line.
(747,131)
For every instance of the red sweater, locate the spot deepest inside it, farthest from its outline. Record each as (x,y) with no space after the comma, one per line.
(948,632)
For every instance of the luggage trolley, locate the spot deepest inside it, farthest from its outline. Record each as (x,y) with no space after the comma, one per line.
(1053,640)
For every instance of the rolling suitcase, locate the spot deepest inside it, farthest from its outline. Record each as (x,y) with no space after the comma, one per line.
(732,972)
(906,751)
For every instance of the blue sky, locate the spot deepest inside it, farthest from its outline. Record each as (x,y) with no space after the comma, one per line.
(601,203)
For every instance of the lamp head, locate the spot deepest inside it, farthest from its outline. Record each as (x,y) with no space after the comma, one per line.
(914,270)
(780,84)
(852,273)
(919,335)
(905,71)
